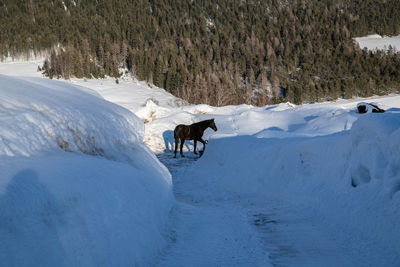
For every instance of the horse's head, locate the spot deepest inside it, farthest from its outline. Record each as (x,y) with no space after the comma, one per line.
(212,125)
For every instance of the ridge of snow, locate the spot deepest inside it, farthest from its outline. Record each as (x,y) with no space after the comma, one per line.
(77,185)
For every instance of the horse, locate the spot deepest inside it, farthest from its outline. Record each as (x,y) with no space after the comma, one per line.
(192,132)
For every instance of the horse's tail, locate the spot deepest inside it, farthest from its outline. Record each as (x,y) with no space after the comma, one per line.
(175,137)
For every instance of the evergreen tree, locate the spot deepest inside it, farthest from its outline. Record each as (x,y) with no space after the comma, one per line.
(213,51)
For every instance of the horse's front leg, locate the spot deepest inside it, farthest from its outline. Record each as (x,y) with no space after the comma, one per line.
(203,142)
(182,141)
(195,145)
(204,146)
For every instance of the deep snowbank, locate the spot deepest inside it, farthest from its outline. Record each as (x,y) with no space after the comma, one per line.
(39,114)
(104,204)
(375,152)
(349,180)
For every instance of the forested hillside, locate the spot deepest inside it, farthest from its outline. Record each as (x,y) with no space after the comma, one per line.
(213,51)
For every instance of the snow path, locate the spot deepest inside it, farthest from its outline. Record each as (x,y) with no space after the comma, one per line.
(234,231)
(207,233)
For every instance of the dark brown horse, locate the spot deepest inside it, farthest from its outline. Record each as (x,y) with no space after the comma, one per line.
(192,132)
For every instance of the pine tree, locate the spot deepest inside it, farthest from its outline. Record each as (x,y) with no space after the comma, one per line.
(298,42)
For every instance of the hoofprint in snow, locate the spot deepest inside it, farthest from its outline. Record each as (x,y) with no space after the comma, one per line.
(311,185)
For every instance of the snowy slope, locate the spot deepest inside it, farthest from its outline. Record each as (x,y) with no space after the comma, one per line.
(376,41)
(77,186)
(128,92)
(40,113)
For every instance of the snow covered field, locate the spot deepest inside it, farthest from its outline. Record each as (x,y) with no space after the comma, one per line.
(283,185)
(376,41)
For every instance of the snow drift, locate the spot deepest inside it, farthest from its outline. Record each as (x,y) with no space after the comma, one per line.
(39,114)
(349,179)
(77,186)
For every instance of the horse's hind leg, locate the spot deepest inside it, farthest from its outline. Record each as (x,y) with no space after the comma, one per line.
(182,141)
(176,146)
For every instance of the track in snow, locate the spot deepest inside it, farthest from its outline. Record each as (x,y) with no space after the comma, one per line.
(246,232)
(207,233)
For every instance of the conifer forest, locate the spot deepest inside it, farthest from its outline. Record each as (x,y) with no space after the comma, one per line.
(217,52)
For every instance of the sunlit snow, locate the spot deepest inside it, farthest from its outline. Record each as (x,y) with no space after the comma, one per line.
(286,185)
(375,41)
